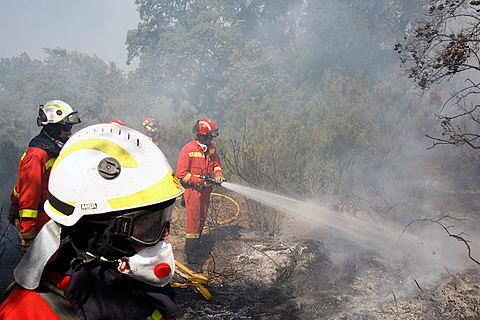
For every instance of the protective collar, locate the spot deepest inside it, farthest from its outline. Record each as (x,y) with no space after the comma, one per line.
(30,268)
(59,143)
(45,142)
(203,146)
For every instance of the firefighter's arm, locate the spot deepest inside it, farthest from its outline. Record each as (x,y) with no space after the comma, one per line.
(30,177)
(217,168)
(183,173)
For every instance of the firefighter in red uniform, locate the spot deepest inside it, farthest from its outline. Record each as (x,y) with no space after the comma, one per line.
(26,212)
(150,128)
(102,255)
(198,160)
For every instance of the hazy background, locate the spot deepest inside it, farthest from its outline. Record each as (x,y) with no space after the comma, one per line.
(92,26)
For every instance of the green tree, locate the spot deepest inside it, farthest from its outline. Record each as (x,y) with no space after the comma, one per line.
(255,72)
(183,48)
(11,69)
(85,82)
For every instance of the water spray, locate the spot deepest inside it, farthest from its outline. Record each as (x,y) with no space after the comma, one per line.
(385,240)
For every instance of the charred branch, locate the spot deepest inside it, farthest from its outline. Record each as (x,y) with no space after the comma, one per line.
(458,237)
(418,286)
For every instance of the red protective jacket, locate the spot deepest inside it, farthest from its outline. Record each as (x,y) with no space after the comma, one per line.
(192,164)
(23,304)
(30,192)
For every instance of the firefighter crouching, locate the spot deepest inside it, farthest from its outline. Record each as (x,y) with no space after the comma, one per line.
(102,255)
(198,159)
(26,212)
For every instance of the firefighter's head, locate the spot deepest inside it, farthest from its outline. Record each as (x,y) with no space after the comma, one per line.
(205,131)
(112,189)
(57,119)
(119,122)
(150,127)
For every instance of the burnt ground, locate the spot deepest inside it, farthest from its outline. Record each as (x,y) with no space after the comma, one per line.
(260,277)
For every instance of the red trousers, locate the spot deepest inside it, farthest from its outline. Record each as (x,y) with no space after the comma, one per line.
(196,203)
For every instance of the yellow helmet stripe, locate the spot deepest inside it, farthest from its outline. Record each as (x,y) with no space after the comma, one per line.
(55,210)
(166,188)
(110,148)
(206,124)
(55,105)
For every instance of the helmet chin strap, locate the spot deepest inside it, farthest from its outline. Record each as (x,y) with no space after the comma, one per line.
(86,256)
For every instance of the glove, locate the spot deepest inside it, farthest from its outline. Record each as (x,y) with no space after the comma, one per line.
(219,178)
(27,239)
(13,216)
(207,184)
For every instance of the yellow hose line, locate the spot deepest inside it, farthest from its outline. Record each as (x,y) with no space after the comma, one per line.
(221,223)
(236,204)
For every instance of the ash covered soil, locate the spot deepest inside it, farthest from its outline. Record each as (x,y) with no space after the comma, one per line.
(317,275)
(309,272)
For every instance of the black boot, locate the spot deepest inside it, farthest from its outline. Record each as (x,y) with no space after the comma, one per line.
(192,247)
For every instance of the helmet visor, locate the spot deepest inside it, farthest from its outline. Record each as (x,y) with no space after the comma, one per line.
(72,118)
(143,227)
(213,133)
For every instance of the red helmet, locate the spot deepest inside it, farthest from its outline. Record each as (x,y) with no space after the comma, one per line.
(117,122)
(205,127)
(150,126)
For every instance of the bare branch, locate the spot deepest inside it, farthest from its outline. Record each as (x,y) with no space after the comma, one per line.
(455,236)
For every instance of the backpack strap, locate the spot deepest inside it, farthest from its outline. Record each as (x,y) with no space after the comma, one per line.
(55,298)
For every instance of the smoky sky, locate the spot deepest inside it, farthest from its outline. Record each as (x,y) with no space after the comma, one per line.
(94,27)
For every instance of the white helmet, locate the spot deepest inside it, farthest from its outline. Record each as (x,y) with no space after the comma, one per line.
(107,168)
(57,111)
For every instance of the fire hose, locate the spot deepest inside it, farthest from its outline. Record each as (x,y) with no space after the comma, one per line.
(235,216)
(192,278)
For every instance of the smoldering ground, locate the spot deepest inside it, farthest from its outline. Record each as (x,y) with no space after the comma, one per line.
(346,269)
(414,228)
